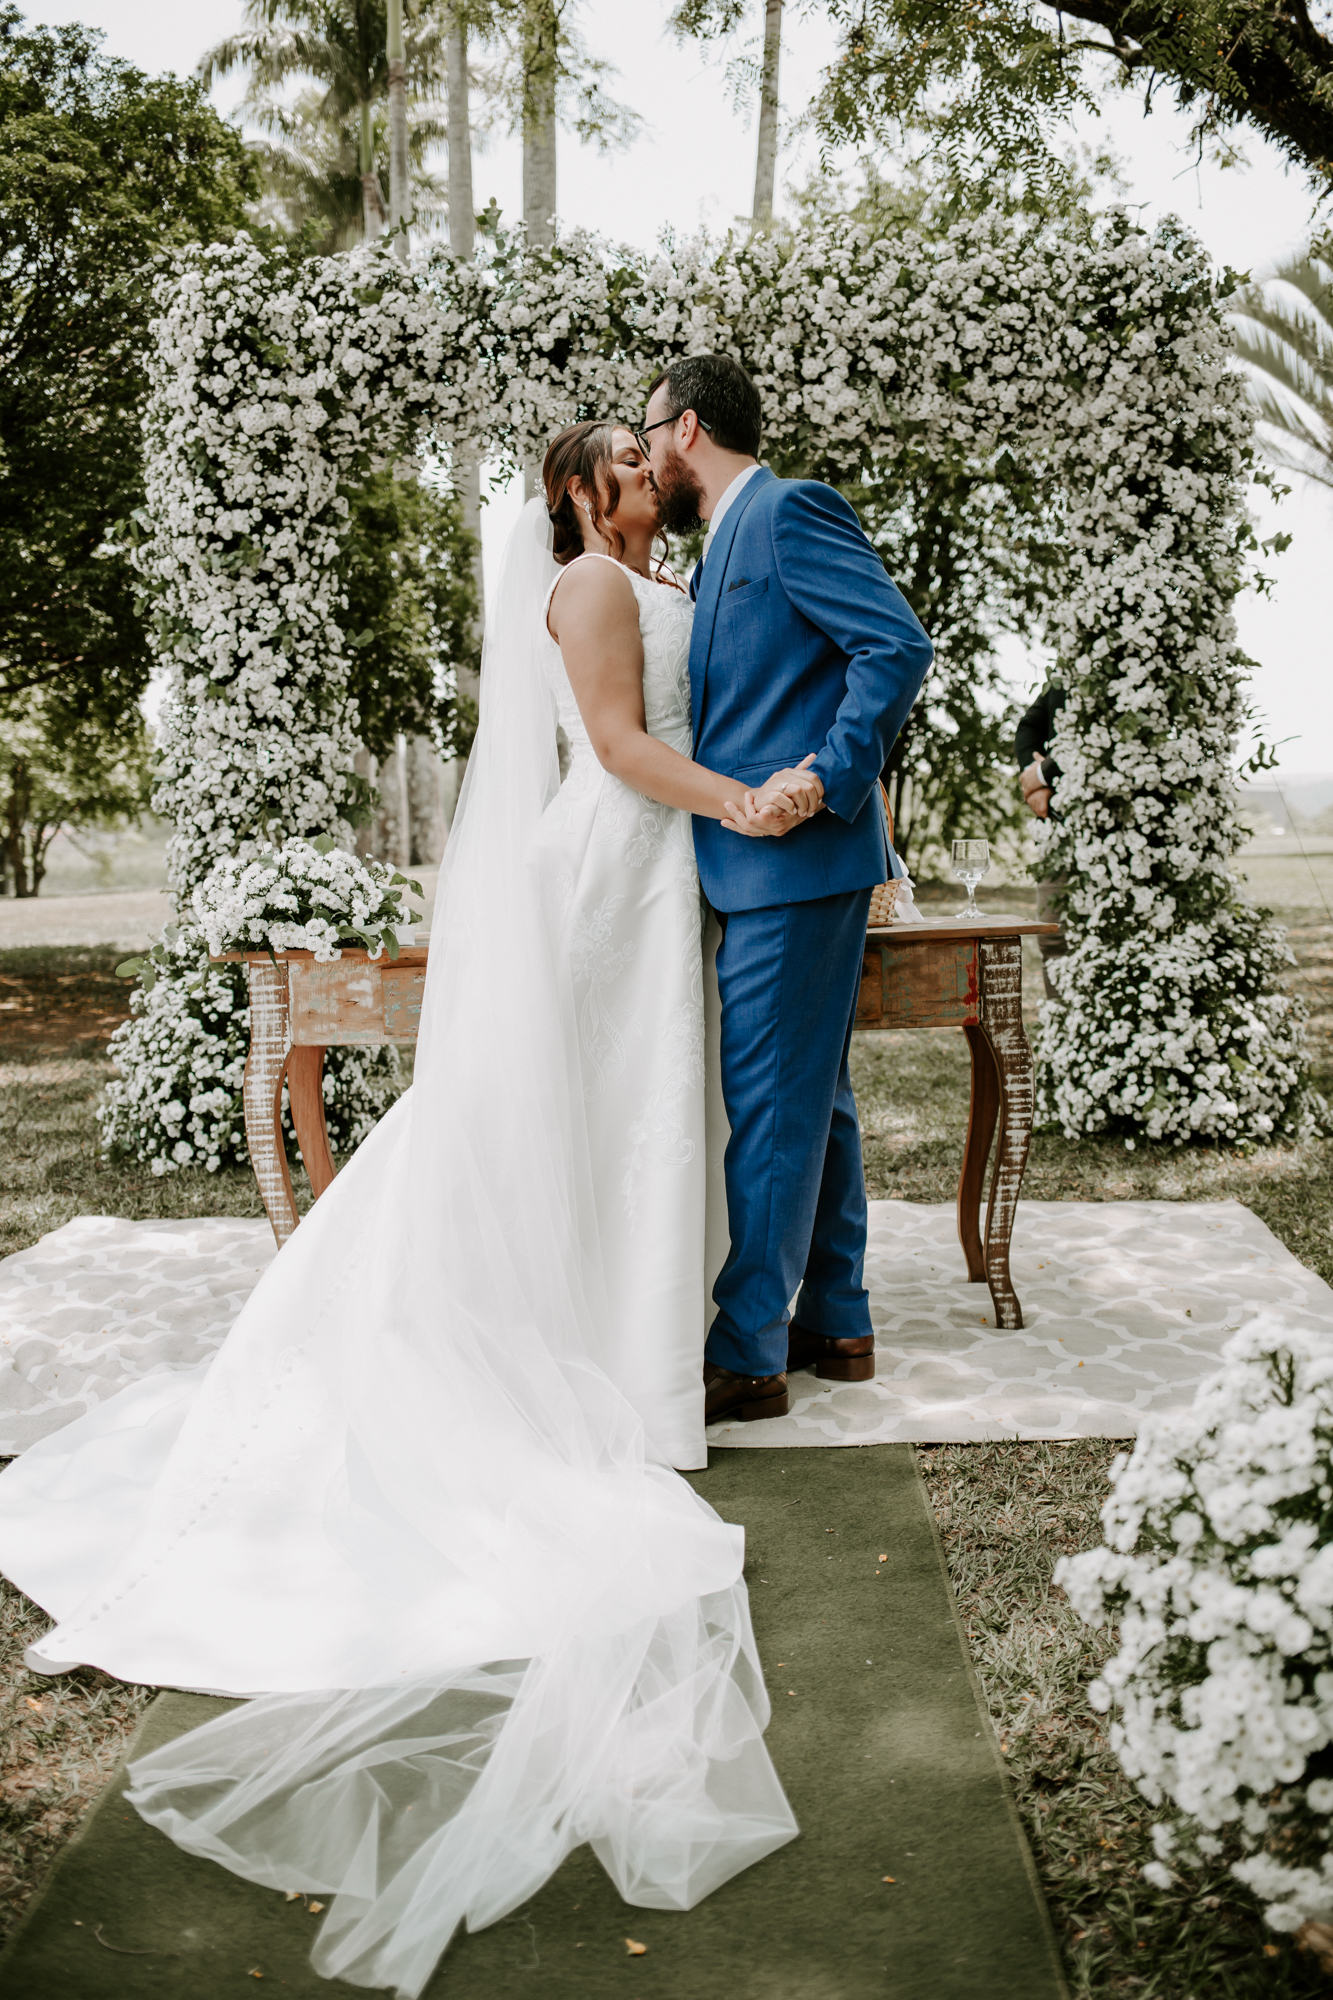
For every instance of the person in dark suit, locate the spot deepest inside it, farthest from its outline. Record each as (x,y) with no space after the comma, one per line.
(804,663)
(1037,773)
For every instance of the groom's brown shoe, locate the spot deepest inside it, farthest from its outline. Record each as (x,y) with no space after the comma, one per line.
(749,1397)
(833,1360)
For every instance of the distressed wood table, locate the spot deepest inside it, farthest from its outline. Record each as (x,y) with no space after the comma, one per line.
(299,1008)
(969,976)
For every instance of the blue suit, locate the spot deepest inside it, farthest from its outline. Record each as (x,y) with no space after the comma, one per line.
(801,643)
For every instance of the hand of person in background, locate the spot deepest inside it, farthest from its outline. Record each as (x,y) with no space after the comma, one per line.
(1036,791)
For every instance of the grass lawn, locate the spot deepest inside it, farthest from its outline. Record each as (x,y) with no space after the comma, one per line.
(1007,1511)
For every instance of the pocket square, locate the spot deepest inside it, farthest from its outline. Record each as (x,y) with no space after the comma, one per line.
(739,584)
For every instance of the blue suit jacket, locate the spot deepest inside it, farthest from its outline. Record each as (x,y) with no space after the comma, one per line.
(801,643)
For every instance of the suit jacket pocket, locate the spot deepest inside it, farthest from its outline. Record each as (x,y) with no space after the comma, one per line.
(743,591)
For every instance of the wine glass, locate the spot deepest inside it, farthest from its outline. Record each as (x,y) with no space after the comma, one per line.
(971,860)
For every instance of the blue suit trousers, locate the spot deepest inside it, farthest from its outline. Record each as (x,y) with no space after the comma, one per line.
(796,1198)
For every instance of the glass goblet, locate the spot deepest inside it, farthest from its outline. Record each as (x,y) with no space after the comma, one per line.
(971,860)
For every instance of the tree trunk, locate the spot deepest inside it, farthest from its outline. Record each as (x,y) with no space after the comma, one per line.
(403,803)
(462,205)
(462,241)
(400,194)
(372,201)
(39,841)
(766,158)
(540,69)
(16,813)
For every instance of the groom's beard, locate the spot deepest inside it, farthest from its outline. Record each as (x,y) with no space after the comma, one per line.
(679,495)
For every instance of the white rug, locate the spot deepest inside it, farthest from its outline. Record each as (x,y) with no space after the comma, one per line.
(100,1302)
(1127,1305)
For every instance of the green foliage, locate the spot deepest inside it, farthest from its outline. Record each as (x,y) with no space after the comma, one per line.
(411,614)
(1002,73)
(541,52)
(1284,330)
(972,546)
(100,166)
(59,769)
(970,550)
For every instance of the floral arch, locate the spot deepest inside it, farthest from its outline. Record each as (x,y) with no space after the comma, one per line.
(1095,366)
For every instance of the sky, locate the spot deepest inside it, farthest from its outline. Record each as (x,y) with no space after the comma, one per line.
(692,165)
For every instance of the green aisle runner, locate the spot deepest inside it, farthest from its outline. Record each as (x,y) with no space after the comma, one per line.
(882,1744)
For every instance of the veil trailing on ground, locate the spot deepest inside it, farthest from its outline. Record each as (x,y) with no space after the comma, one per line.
(406,1463)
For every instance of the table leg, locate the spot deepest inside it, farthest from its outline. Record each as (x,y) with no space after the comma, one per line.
(305,1072)
(262,1094)
(982,1113)
(1001,981)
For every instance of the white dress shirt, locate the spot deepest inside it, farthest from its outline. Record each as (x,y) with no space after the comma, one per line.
(732,492)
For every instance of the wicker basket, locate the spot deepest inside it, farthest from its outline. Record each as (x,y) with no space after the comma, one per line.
(884,899)
(883,902)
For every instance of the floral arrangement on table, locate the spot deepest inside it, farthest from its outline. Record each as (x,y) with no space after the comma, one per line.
(307,895)
(1218,1569)
(182,1053)
(1101,347)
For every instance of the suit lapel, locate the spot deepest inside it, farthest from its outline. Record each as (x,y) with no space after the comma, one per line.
(710,591)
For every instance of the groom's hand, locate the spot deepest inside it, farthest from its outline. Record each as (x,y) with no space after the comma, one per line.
(788,798)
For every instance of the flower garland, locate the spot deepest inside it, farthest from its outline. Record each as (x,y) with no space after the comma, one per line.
(1103,352)
(1218,1569)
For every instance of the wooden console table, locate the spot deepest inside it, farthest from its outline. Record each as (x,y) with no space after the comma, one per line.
(298,1008)
(969,976)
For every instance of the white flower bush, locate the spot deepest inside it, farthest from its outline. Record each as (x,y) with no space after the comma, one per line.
(1090,367)
(304,896)
(177,1101)
(1218,1569)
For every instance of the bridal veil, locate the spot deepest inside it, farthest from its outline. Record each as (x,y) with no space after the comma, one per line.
(403,1508)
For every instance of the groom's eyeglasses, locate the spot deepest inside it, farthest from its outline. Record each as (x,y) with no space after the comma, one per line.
(641,437)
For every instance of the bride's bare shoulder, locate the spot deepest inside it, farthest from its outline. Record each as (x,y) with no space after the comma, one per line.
(590,588)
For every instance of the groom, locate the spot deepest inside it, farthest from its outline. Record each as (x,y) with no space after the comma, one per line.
(804,653)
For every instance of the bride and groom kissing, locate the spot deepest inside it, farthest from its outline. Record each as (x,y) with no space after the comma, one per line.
(420,1509)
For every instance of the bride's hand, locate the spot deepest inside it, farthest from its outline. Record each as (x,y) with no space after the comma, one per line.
(739,816)
(758,816)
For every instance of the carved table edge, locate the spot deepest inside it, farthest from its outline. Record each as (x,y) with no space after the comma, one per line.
(408,954)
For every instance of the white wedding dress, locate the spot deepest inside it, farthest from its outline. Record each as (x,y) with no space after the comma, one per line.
(624,893)
(409,1506)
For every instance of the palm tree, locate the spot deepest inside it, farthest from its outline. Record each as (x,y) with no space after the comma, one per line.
(1283,328)
(314,170)
(539,39)
(717,20)
(766,153)
(342,45)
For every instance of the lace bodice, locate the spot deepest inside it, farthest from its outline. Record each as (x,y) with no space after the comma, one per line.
(665,619)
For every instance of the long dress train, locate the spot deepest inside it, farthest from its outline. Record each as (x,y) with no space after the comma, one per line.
(408,1506)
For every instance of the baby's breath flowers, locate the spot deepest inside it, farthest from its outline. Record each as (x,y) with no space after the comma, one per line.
(306,895)
(1218,1570)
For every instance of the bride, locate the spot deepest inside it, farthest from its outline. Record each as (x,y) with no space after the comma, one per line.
(420,1506)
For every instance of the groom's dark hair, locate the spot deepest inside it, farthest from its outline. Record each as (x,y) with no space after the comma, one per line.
(722,396)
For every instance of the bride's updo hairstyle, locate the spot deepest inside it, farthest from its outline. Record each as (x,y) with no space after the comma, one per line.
(581,451)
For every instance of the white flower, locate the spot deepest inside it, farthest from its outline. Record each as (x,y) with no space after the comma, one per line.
(1216,1574)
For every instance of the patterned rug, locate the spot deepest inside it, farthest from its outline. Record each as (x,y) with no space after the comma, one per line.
(1127,1305)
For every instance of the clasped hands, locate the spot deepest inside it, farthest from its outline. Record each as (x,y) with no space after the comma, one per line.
(1036,791)
(782,803)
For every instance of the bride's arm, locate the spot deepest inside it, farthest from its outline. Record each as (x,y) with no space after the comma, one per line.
(594,617)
